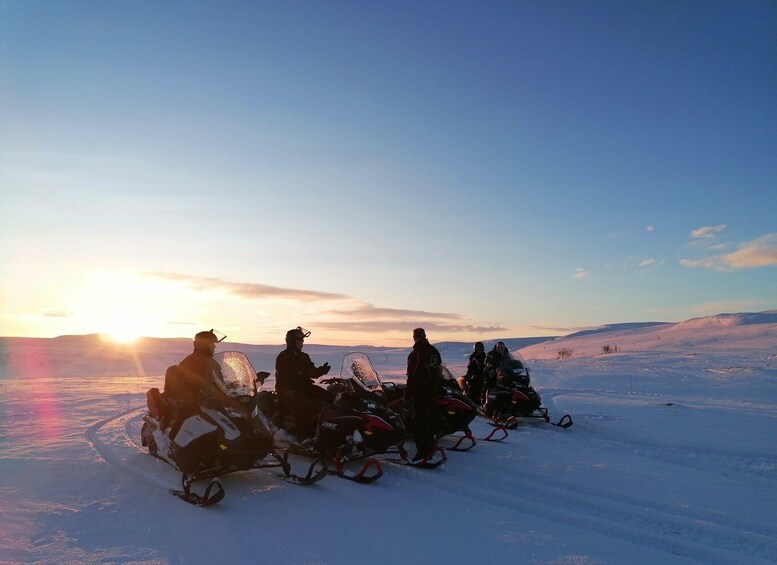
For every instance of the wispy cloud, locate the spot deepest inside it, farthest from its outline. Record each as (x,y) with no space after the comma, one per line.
(249,291)
(561,330)
(650,228)
(647,262)
(374,312)
(56,314)
(761,252)
(581,273)
(720,306)
(707,232)
(383,326)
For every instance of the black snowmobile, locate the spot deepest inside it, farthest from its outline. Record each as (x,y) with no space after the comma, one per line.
(510,396)
(217,439)
(357,425)
(455,411)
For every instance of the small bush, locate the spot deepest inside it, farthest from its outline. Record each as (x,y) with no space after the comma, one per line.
(564,353)
(607,349)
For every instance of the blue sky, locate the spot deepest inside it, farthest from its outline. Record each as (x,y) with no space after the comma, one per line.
(484,169)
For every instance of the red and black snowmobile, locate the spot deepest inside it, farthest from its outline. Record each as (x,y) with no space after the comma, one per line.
(455,411)
(510,396)
(357,425)
(208,441)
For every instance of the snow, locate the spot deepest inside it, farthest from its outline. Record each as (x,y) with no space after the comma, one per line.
(672,459)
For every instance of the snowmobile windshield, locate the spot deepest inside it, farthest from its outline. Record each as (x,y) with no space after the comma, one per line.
(514,365)
(237,374)
(447,375)
(358,368)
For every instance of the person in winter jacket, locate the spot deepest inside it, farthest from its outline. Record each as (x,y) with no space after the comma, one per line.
(424,380)
(493,363)
(294,375)
(473,380)
(191,384)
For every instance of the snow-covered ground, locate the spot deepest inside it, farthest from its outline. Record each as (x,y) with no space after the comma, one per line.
(672,458)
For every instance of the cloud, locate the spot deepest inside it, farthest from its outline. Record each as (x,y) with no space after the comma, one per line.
(707,232)
(56,314)
(761,252)
(369,310)
(383,326)
(650,228)
(581,273)
(356,317)
(647,262)
(249,291)
(734,305)
(561,330)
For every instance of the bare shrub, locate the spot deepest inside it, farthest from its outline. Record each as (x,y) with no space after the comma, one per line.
(607,349)
(564,353)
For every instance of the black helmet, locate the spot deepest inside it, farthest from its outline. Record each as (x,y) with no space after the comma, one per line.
(479,345)
(204,340)
(292,336)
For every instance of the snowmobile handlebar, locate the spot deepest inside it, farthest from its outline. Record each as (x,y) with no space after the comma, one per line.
(331,380)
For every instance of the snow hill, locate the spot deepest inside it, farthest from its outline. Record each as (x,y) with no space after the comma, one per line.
(728,332)
(671,459)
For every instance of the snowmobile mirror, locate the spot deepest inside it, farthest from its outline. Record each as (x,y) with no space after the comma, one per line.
(261,376)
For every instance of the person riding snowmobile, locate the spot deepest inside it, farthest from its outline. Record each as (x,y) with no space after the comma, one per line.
(493,363)
(424,380)
(294,375)
(473,380)
(190,384)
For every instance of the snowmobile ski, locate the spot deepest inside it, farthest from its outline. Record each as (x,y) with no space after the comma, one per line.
(362,475)
(467,440)
(207,499)
(434,459)
(316,471)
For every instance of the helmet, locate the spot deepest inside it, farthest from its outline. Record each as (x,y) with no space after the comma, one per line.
(292,336)
(479,345)
(204,340)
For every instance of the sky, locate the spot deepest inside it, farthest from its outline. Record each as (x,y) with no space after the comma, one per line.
(490,169)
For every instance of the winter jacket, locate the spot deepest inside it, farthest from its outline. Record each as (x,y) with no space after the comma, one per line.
(494,360)
(195,377)
(294,371)
(475,367)
(424,378)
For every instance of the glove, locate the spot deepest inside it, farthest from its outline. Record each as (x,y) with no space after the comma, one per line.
(324,369)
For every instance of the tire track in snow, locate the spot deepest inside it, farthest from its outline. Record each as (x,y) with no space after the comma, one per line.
(113,454)
(692,535)
(729,463)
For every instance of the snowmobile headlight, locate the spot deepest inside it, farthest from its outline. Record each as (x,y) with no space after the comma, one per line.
(234,412)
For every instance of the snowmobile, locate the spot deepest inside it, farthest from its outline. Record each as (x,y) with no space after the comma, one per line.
(216,439)
(357,425)
(510,396)
(455,411)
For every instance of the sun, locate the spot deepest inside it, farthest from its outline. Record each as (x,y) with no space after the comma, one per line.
(123,337)
(123,330)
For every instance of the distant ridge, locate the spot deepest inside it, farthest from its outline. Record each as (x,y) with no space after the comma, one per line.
(739,319)
(617,327)
(722,332)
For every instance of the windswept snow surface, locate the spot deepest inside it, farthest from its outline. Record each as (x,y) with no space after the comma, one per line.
(672,459)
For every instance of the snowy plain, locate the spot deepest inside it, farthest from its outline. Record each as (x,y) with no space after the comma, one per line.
(672,459)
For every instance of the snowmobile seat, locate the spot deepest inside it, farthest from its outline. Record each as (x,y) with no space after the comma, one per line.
(157,406)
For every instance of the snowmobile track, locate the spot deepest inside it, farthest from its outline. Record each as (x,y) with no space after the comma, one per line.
(111,452)
(677,531)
